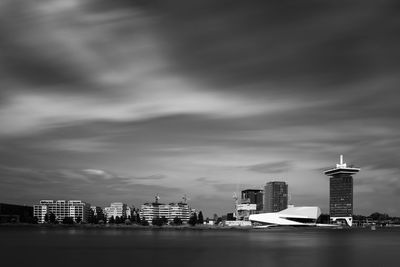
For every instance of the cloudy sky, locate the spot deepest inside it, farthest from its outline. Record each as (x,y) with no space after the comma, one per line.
(121,100)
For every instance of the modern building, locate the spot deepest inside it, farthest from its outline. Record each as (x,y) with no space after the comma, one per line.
(97,211)
(341,192)
(76,209)
(244,210)
(275,196)
(117,209)
(150,211)
(253,196)
(15,213)
(292,216)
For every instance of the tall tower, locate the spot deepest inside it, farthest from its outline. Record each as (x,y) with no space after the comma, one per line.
(341,192)
(275,196)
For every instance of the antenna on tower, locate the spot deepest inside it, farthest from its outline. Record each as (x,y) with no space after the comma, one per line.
(235,197)
(341,164)
(157,198)
(185,198)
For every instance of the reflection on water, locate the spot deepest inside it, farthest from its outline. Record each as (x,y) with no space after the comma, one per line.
(112,247)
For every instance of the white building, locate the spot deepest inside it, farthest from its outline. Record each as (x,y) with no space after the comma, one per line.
(180,210)
(61,209)
(116,209)
(292,216)
(244,210)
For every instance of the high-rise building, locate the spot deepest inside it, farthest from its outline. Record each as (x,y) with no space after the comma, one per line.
(76,209)
(253,196)
(341,191)
(275,196)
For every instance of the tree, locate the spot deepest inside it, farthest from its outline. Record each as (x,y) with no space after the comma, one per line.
(78,219)
(164,220)
(193,219)
(177,221)
(144,222)
(111,220)
(138,218)
(68,220)
(46,217)
(91,217)
(52,217)
(376,216)
(35,220)
(117,220)
(200,219)
(159,221)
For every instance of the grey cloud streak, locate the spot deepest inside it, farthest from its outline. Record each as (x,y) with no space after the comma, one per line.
(274,167)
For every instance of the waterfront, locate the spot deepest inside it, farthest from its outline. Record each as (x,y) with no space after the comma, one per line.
(41,246)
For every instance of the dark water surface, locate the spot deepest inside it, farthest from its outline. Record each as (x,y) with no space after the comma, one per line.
(24,246)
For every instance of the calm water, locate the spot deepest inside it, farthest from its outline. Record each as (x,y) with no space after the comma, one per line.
(21,246)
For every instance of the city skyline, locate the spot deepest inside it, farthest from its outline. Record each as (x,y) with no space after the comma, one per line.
(120,101)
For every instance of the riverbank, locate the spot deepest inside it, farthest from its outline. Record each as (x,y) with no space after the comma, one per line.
(183,227)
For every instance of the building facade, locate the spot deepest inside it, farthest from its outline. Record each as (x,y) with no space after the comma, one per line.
(117,209)
(150,211)
(253,196)
(292,216)
(244,210)
(76,209)
(275,196)
(341,191)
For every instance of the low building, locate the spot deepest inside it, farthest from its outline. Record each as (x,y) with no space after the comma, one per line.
(15,213)
(150,211)
(292,216)
(76,209)
(117,209)
(244,210)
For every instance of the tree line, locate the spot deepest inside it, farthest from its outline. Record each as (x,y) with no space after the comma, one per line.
(101,218)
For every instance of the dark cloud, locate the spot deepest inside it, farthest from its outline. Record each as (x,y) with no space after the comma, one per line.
(274,167)
(290,43)
(226,187)
(206,180)
(151,177)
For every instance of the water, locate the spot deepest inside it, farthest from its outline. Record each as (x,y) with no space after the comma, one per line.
(36,246)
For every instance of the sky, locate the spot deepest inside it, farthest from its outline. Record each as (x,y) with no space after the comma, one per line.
(121,100)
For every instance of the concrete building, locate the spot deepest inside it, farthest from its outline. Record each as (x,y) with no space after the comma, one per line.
(275,196)
(253,196)
(61,209)
(150,211)
(244,210)
(117,209)
(341,192)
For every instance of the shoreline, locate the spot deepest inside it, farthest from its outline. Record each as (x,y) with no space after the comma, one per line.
(135,227)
